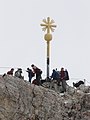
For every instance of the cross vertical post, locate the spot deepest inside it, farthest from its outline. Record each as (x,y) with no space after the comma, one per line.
(48,25)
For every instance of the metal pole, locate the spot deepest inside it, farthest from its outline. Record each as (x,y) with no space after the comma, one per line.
(48,58)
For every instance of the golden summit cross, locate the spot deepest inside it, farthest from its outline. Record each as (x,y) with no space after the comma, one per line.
(48,25)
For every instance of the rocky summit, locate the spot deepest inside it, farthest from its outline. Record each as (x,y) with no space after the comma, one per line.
(21,100)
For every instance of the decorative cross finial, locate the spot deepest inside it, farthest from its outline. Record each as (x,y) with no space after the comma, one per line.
(48,25)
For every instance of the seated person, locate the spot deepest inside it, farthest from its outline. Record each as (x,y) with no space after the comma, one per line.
(18,73)
(78,83)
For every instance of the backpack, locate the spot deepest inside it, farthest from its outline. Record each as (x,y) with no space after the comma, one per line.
(40,71)
(66,75)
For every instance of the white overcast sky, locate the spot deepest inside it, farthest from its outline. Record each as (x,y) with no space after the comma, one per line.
(21,36)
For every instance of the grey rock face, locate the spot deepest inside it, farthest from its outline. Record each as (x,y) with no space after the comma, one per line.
(20,100)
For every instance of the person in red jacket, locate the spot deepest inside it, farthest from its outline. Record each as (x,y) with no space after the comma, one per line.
(10,72)
(62,78)
(38,72)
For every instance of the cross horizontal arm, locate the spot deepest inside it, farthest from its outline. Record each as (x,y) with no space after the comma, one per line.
(53,26)
(48,25)
(43,24)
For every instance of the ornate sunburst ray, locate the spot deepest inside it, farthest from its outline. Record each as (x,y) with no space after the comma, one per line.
(48,25)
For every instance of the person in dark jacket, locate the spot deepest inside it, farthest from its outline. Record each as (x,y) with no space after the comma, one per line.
(30,74)
(55,75)
(78,83)
(38,72)
(10,72)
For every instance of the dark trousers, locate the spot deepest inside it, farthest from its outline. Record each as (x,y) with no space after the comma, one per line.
(63,85)
(38,77)
(30,79)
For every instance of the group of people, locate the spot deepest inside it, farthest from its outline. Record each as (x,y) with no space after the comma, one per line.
(18,73)
(61,77)
(34,71)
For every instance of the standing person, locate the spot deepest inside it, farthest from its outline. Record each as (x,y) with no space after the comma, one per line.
(55,75)
(11,71)
(62,78)
(30,74)
(38,73)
